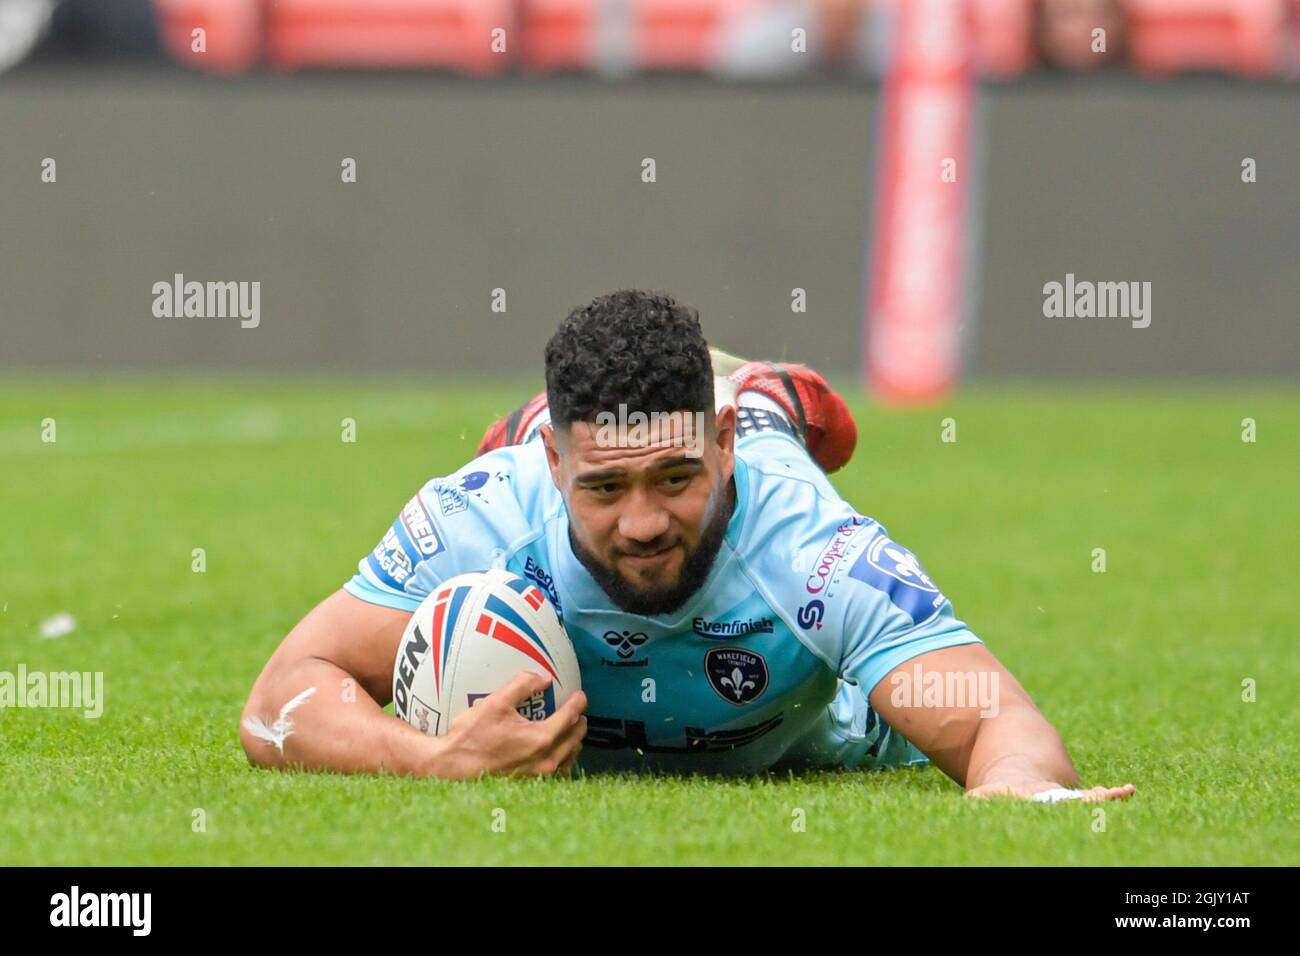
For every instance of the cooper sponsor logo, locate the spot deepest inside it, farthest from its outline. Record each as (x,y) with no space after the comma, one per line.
(832,554)
(419,526)
(75,908)
(761,625)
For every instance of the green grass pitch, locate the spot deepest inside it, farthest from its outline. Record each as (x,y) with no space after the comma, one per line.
(1141,667)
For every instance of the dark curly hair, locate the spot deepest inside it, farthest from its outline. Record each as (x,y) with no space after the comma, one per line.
(638,348)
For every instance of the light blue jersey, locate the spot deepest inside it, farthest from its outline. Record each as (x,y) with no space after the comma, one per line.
(808,606)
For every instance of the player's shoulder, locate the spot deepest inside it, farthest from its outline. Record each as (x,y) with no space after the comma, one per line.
(501,482)
(498,497)
(794,521)
(471,519)
(787,500)
(802,540)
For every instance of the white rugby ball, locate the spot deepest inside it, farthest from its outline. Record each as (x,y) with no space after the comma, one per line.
(469,638)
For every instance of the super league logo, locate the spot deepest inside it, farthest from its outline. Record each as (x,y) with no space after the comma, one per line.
(889,567)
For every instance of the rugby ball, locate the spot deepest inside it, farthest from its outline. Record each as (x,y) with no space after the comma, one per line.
(469,638)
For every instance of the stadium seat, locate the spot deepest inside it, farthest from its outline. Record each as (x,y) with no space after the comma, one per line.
(1004,37)
(559,34)
(683,34)
(1234,36)
(621,37)
(447,34)
(232,32)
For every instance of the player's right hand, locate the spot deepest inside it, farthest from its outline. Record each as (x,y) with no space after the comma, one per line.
(492,737)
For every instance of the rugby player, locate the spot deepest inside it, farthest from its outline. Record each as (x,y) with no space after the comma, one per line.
(731,613)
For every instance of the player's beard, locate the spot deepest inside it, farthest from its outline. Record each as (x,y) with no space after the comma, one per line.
(663,600)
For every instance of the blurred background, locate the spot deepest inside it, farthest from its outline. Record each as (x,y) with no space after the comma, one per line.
(882,188)
(422,189)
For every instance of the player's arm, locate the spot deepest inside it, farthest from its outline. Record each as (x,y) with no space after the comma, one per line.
(1006,749)
(318,705)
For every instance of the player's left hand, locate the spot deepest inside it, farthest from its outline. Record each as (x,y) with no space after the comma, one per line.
(1047,791)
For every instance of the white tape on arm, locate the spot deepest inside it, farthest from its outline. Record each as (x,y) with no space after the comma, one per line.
(1056,795)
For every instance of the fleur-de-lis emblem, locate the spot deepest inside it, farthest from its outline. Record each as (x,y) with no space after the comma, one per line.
(737,682)
(907,565)
(737,675)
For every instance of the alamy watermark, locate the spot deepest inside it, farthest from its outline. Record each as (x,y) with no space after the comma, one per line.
(637,429)
(133,911)
(921,688)
(208,300)
(1084,299)
(74,690)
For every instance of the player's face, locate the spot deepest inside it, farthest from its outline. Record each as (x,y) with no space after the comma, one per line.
(647,509)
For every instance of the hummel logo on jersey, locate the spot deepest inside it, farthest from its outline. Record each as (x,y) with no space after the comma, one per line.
(625,642)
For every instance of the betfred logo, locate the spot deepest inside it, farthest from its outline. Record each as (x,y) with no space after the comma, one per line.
(824,569)
(419,528)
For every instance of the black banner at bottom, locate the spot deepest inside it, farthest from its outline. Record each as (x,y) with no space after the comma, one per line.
(333,905)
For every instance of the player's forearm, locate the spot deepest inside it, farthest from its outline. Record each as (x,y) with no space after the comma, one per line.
(1018,746)
(338,726)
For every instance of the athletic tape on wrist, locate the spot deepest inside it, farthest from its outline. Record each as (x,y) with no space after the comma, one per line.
(1056,795)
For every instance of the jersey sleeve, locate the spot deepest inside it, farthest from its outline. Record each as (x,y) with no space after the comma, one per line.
(893,612)
(854,596)
(470,520)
